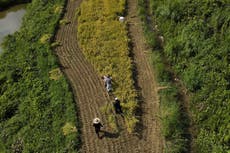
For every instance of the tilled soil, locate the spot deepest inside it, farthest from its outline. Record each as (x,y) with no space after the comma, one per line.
(90,94)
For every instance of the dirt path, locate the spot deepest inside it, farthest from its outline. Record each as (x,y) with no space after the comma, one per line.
(90,94)
(146,83)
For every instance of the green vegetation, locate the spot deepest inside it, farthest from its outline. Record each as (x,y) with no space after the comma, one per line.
(104,42)
(197,36)
(6,3)
(173,120)
(37,110)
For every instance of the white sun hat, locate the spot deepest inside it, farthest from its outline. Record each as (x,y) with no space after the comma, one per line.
(96,120)
(121,18)
(116,98)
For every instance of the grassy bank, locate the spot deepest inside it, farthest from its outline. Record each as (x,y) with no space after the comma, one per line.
(104,42)
(37,110)
(172,117)
(197,46)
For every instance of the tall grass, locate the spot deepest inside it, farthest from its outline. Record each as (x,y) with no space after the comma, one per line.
(105,44)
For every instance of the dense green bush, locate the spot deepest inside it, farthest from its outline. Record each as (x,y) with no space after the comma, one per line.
(197,36)
(35,99)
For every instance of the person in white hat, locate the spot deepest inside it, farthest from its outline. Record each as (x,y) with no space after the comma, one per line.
(121,18)
(117,106)
(97,125)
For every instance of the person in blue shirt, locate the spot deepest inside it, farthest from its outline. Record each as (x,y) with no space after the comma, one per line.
(108,82)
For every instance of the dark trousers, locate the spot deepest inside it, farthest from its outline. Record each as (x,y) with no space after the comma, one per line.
(118,110)
(97,130)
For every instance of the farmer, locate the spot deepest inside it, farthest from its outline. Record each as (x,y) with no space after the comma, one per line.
(97,125)
(117,106)
(108,82)
(121,18)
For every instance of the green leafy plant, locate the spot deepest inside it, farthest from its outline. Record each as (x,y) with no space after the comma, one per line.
(35,98)
(197,46)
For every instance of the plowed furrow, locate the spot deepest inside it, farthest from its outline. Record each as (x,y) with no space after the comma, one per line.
(90,94)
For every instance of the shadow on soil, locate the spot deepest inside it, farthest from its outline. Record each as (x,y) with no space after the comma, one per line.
(106,134)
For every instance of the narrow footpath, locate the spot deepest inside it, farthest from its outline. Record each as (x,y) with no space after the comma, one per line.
(90,94)
(146,83)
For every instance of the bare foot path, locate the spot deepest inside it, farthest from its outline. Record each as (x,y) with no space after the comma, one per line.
(146,82)
(90,94)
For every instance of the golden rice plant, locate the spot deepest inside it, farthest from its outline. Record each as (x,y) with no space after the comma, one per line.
(55,74)
(58,9)
(104,42)
(45,38)
(69,128)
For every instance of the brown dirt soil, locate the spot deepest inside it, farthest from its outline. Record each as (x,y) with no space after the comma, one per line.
(90,94)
